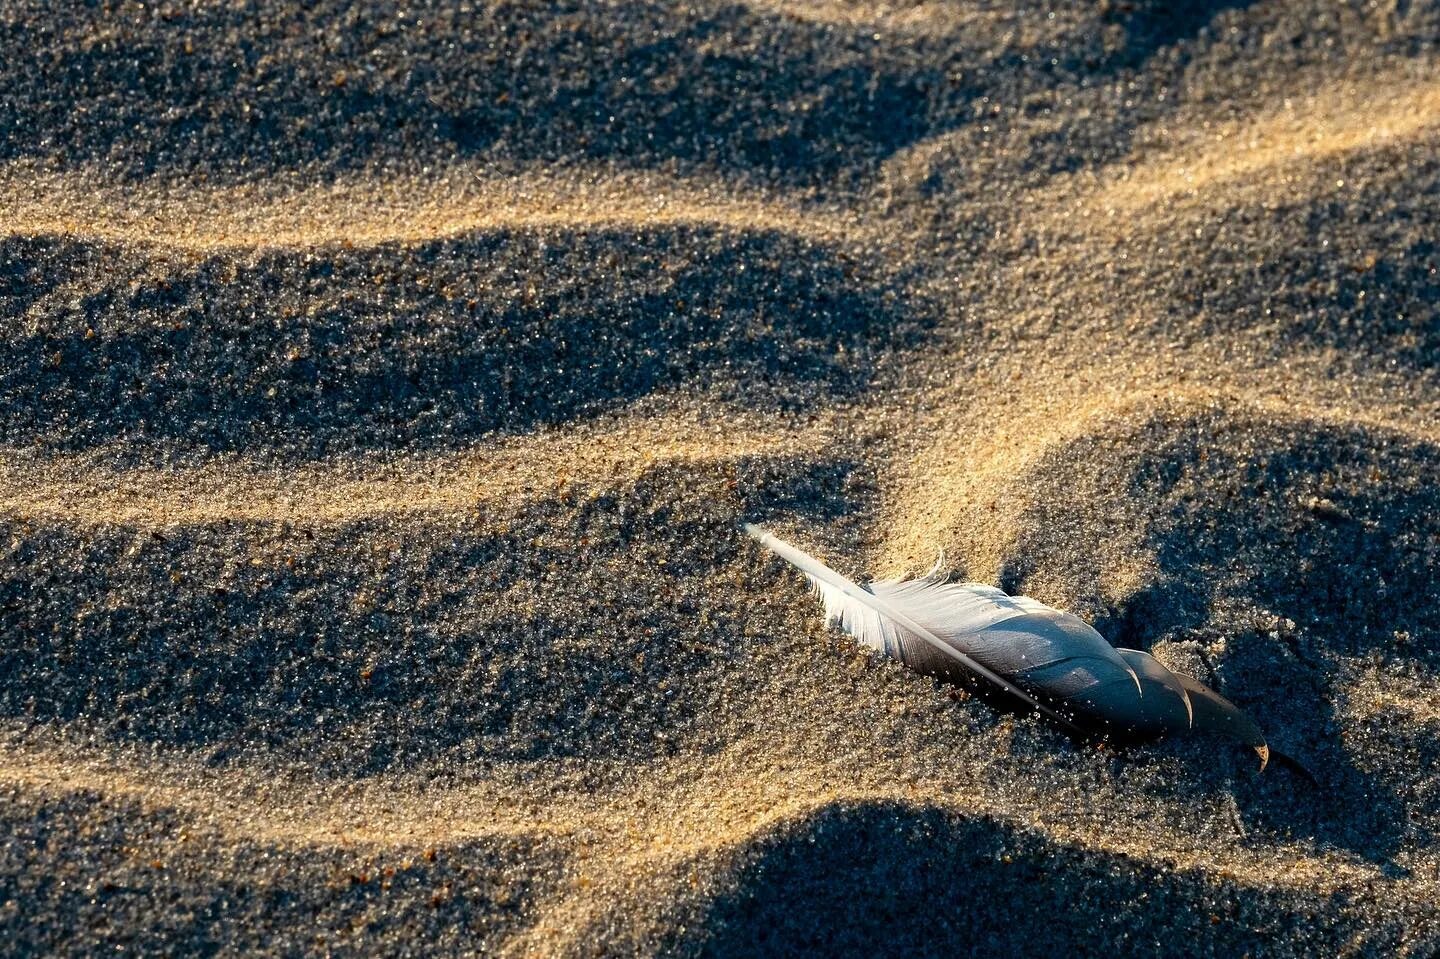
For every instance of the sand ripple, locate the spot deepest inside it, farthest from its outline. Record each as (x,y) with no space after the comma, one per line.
(381,390)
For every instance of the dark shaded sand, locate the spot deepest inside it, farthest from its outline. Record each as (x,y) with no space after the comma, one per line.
(381,391)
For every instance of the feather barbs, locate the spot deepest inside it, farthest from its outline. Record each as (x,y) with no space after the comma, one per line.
(1049,659)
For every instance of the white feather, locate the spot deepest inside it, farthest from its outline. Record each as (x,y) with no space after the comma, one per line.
(1041,655)
(878,623)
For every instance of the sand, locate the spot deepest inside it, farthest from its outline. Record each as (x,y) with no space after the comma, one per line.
(383,386)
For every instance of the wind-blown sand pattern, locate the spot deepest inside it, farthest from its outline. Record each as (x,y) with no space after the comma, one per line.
(382,391)
(399,211)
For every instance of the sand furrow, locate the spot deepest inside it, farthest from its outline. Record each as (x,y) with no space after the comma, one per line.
(392,347)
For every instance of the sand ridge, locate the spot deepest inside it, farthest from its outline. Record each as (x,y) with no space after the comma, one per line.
(1274,149)
(508,472)
(979,464)
(365,213)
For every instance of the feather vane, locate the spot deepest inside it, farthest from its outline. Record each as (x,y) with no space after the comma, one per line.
(1049,659)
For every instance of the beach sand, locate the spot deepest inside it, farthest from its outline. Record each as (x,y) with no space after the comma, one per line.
(383,387)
